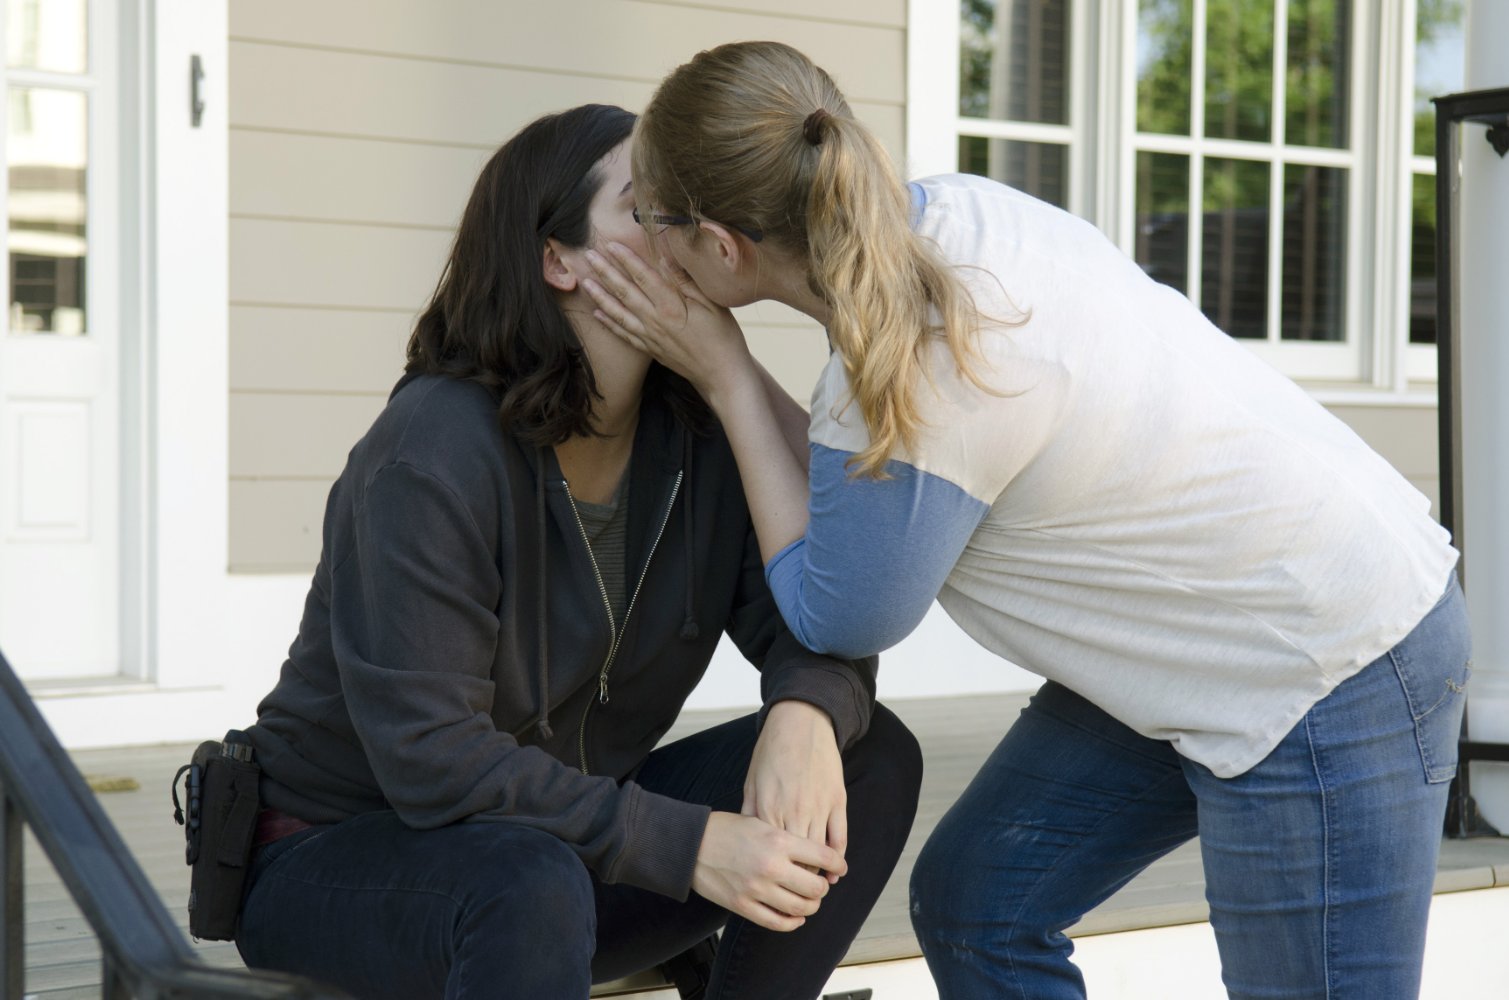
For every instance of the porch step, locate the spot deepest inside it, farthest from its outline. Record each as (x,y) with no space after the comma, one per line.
(1463,959)
(1156,921)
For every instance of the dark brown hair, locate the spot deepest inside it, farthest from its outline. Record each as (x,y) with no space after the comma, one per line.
(493,319)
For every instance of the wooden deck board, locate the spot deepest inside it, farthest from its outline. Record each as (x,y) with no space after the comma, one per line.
(62,956)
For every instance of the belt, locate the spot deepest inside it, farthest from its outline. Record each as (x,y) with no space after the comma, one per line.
(275,825)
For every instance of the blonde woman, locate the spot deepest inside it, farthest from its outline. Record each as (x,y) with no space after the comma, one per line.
(1248,622)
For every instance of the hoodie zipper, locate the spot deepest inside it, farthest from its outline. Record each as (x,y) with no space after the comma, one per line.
(616,629)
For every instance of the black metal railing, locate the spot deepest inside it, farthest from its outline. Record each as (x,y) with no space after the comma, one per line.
(1489,108)
(145,955)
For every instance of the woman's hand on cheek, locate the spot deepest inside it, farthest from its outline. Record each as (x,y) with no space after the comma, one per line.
(662,313)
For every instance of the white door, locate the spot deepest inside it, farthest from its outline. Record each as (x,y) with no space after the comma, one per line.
(60,416)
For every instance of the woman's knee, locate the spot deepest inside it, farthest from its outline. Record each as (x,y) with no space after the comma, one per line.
(529,880)
(887,758)
(936,890)
(883,776)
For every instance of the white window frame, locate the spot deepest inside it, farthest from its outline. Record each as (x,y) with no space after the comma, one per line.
(1073,135)
(99,84)
(1376,362)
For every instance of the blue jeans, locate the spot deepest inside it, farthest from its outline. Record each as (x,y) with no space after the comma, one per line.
(502,911)
(1319,861)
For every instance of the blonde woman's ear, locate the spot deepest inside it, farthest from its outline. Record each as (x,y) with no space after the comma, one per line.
(732,248)
(558,274)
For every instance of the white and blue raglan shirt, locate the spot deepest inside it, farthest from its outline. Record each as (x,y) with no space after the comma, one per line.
(1137,507)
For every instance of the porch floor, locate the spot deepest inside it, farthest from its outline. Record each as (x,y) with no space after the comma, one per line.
(62,957)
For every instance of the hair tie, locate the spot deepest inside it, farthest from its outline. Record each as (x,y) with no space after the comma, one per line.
(812,128)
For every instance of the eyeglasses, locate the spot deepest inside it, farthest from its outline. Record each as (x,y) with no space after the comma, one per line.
(656,219)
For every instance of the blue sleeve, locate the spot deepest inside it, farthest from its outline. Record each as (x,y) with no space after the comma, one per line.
(874,557)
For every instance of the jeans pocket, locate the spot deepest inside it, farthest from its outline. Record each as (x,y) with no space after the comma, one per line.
(1433,664)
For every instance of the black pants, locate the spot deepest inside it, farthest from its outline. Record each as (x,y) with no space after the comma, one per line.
(495,910)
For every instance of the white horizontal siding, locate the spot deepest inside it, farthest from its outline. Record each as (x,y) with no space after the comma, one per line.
(602,39)
(1406,437)
(279,175)
(280,349)
(357,130)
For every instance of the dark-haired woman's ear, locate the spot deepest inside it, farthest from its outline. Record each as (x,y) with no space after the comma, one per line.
(557,274)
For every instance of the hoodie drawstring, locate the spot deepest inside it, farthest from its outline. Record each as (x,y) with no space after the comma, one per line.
(542,726)
(689,628)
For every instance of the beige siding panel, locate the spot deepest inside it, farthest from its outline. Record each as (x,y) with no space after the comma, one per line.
(275,349)
(280,262)
(316,264)
(358,128)
(328,178)
(625,39)
(379,97)
(1406,437)
(794,355)
(350,180)
(772,313)
(275,525)
(313,90)
(888,13)
(287,435)
(282,435)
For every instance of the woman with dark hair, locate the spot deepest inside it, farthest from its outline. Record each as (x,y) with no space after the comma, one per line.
(527,564)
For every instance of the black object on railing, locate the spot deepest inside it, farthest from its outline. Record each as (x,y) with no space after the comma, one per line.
(1478,107)
(145,954)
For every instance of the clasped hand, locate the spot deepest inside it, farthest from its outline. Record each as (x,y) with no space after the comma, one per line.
(774,862)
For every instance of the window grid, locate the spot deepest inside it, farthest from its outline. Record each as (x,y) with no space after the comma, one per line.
(1333,359)
(1070,136)
(1104,142)
(87,83)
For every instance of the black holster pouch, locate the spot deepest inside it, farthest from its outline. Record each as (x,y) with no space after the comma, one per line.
(219,820)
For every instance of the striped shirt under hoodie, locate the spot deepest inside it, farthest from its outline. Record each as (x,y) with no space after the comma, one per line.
(1142,511)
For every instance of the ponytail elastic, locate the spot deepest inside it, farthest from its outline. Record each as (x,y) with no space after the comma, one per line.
(812,128)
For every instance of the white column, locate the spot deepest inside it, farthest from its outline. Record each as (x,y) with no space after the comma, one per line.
(1483,250)
(932,87)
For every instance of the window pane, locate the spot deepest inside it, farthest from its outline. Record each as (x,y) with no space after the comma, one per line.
(1440,61)
(1014,60)
(1234,255)
(46,146)
(1422,262)
(1239,69)
(1315,253)
(1163,217)
(1317,85)
(1039,168)
(1165,36)
(47,34)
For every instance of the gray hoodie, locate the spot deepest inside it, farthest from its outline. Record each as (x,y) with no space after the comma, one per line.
(453,662)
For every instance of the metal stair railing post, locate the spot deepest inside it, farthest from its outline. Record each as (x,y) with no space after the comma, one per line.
(1478,107)
(12,912)
(145,954)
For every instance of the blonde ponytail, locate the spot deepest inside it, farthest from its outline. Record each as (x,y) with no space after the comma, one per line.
(754,135)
